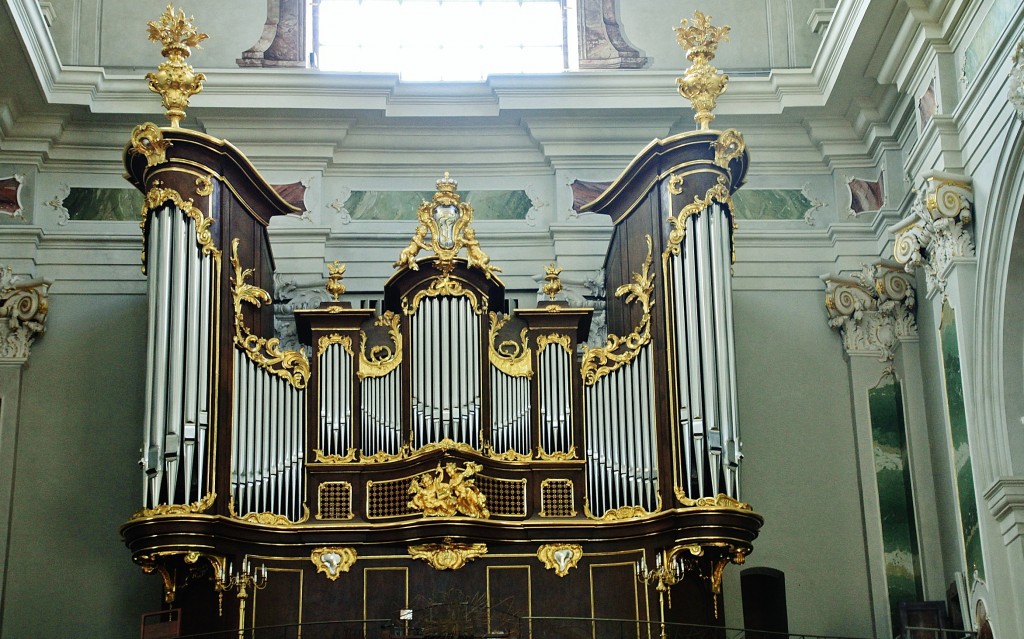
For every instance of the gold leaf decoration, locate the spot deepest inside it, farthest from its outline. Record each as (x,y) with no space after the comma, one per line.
(148,140)
(721,500)
(702,83)
(291,366)
(510,357)
(435,497)
(157,196)
(448,555)
(552,282)
(168,510)
(557,455)
(382,359)
(677,231)
(333,560)
(334,338)
(543,341)
(560,557)
(175,80)
(336,271)
(444,285)
(321,458)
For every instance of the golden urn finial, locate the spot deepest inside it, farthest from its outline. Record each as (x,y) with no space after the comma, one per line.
(336,271)
(175,80)
(552,283)
(702,83)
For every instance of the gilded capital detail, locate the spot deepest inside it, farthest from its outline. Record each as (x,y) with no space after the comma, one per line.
(23,308)
(935,233)
(872,309)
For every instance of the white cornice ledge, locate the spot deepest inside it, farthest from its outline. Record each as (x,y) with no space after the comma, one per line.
(1005,500)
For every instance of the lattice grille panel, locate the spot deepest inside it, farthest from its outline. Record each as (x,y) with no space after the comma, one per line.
(556,498)
(388,499)
(335,500)
(505,497)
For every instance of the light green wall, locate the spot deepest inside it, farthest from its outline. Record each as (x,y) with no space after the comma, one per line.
(76,478)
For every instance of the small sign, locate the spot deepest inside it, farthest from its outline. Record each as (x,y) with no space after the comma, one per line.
(405,614)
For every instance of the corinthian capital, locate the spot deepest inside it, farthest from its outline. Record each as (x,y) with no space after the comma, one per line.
(935,232)
(23,307)
(872,309)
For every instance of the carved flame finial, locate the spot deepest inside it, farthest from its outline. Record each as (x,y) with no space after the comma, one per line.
(334,287)
(175,80)
(702,83)
(552,283)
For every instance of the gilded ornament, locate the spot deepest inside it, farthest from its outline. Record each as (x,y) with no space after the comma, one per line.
(510,357)
(721,500)
(677,223)
(336,271)
(558,455)
(267,518)
(551,339)
(321,458)
(446,444)
(291,366)
(204,186)
(381,359)
(148,140)
(552,282)
(560,557)
(444,285)
(170,587)
(156,197)
(169,510)
(728,146)
(447,220)
(23,309)
(620,513)
(333,560)
(448,555)
(509,455)
(334,338)
(175,80)
(435,497)
(702,83)
(619,351)
(382,457)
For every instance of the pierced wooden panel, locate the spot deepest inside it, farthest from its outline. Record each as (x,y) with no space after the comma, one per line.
(556,498)
(505,497)
(388,498)
(334,500)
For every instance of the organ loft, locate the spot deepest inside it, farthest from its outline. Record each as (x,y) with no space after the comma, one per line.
(439,462)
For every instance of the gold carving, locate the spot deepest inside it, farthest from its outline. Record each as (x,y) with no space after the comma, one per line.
(560,557)
(728,147)
(619,351)
(167,510)
(677,233)
(336,271)
(702,83)
(448,555)
(204,186)
(510,357)
(321,458)
(292,366)
(333,560)
(509,455)
(435,497)
(148,140)
(334,338)
(381,457)
(557,455)
(446,444)
(618,514)
(175,80)
(552,281)
(721,500)
(543,341)
(157,195)
(447,220)
(267,518)
(444,286)
(381,359)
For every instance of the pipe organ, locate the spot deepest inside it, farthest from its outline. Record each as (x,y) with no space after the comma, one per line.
(442,441)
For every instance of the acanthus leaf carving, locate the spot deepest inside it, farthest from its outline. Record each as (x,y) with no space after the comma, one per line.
(872,309)
(23,308)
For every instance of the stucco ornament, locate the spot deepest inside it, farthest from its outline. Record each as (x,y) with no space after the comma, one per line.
(23,308)
(1016,91)
(872,309)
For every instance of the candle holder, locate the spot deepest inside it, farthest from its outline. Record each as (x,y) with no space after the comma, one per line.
(248,578)
(669,569)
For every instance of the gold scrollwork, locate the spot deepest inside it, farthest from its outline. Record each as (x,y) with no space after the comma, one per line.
(167,510)
(556,455)
(446,444)
(382,359)
(321,458)
(721,500)
(334,338)
(157,195)
(435,497)
(728,146)
(549,339)
(268,518)
(149,566)
(677,233)
(617,514)
(619,351)
(204,186)
(509,455)
(175,80)
(148,140)
(444,285)
(447,220)
(510,357)
(291,366)
(383,457)
(560,557)
(333,560)
(448,555)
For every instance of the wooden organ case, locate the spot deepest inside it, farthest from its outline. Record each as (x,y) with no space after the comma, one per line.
(440,455)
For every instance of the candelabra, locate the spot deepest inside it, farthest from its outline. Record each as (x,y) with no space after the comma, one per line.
(669,570)
(247,578)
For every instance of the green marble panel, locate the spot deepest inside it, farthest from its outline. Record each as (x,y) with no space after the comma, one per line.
(992,26)
(107,205)
(895,497)
(770,204)
(962,467)
(402,205)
